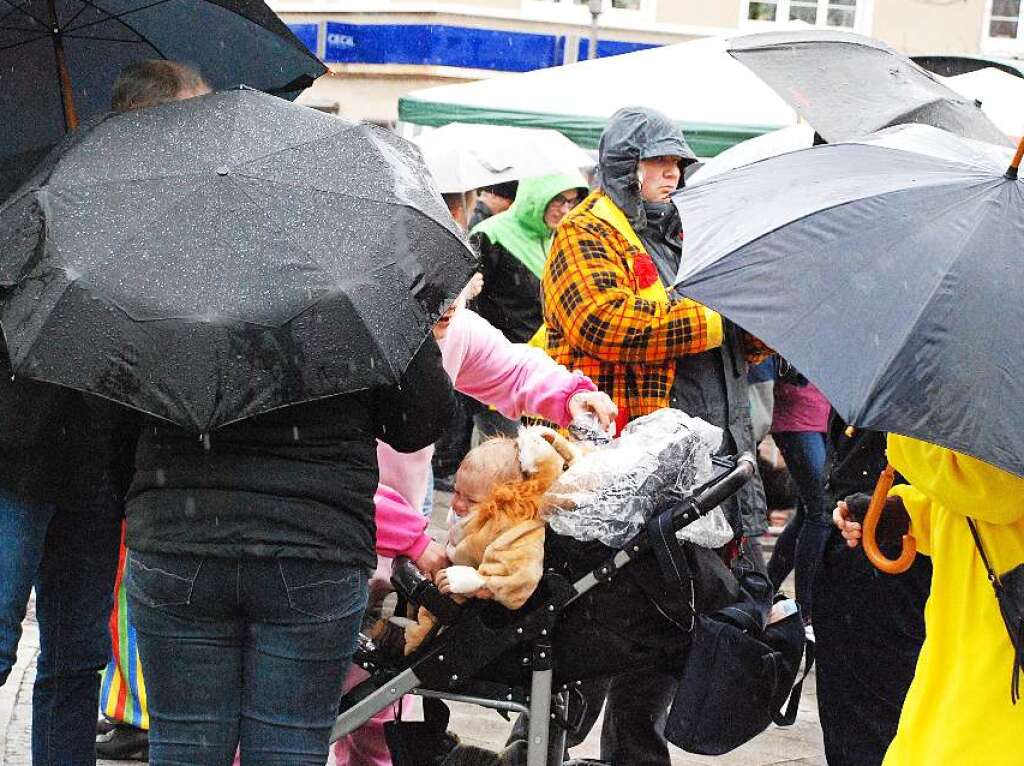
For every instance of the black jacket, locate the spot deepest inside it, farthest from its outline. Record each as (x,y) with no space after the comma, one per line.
(511,297)
(298,482)
(711,385)
(58,446)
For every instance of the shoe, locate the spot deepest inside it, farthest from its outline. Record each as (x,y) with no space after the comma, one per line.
(121,742)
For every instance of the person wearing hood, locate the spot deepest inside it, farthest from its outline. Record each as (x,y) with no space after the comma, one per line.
(513,248)
(607,313)
(962,706)
(492,200)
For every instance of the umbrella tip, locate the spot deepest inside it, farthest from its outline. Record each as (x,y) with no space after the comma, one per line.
(1012,171)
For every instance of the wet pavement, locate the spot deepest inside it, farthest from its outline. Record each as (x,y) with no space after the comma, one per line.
(798,745)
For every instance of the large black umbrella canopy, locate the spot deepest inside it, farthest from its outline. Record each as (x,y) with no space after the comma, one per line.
(212,259)
(888,271)
(848,86)
(84,44)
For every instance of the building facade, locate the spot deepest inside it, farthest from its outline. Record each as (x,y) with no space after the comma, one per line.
(379,50)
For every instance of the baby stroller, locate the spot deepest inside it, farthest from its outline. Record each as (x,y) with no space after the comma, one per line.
(530,660)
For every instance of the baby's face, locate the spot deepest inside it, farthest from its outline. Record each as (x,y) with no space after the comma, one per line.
(471,489)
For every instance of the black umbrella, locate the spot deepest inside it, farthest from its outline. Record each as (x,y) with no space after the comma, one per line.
(59,60)
(847,85)
(888,271)
(210,259)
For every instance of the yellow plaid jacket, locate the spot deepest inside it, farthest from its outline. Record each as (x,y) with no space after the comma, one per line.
(601,321)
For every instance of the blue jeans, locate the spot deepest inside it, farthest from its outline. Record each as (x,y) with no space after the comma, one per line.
(243,652)
(801,545)
(69,554)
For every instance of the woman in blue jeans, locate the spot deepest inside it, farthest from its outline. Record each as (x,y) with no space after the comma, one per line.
(799,424)
(248,559)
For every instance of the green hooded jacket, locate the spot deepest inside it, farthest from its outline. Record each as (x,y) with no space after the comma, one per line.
(521,229)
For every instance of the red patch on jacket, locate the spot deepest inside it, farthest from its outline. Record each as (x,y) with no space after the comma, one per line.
(646,273)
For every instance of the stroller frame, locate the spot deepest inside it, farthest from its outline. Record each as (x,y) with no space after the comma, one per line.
(436,671)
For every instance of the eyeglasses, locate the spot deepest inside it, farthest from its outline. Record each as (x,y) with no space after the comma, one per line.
(562,201)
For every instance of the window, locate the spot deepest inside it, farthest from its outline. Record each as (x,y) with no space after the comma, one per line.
(626,5)
(1004,20)
(630,4)
(844,14)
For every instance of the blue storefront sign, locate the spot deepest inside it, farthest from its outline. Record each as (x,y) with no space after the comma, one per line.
(309,35)
(607,48)
(446,45)
(442,45)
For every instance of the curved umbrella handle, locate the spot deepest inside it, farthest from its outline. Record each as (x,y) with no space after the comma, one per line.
(874,514)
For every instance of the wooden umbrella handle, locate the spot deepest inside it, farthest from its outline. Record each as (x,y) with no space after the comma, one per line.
(67,96)
(874,514)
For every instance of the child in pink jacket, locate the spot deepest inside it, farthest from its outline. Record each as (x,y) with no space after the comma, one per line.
(515,379)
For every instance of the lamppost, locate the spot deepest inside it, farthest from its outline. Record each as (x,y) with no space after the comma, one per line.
(596,6)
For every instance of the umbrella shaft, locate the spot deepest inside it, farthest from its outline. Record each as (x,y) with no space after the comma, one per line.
(63,77)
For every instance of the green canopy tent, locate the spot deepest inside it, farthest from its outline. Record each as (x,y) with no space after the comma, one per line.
(716,100)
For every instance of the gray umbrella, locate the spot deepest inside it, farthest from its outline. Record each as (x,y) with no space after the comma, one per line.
(847,85)
(210,259)
(888,271)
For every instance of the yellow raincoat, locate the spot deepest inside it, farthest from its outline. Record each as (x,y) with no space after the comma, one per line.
(958,710)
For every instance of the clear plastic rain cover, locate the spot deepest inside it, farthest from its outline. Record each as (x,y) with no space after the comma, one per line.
(609,493)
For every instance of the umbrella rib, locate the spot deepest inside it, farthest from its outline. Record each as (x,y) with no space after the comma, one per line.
(24,42)
(270,216)
(138,230)
(925,304)
(119,20)
(345,127)
(6,15)
(812,213)
(26,12)
(391,203)
(339,192)
(108,16)
(81,9)
(840,287)
(107,39)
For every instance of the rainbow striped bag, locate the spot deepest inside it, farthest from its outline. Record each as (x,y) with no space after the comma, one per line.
(123,691)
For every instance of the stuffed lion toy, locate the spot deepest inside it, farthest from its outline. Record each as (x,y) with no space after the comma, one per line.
(495,528)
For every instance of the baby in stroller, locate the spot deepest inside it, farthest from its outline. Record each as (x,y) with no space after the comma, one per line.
(495,526)
(552,545)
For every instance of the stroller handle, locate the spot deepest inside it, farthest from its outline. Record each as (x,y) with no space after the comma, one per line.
(726,485)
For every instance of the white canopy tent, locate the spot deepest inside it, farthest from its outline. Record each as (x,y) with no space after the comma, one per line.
(716,100)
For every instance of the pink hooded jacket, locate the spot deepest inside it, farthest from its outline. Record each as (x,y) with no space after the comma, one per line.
(514,378)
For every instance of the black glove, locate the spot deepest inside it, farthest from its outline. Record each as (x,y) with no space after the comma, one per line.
(895,521)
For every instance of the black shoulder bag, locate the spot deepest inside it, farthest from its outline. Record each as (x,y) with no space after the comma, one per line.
(1009,590)
(738,677)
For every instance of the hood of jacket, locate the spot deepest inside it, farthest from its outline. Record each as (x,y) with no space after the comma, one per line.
(958,482)
(636,133)
(521,229)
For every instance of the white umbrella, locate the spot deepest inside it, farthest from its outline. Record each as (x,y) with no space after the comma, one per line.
(755,149)
(1001,95)
(465,157)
